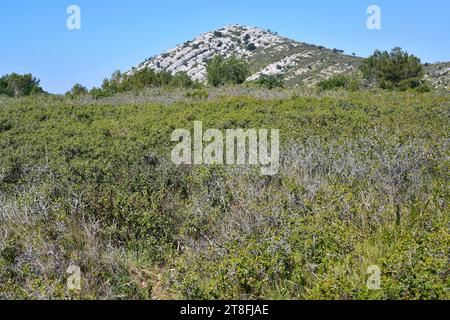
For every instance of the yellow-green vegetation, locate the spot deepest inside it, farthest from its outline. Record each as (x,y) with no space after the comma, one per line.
(364,181)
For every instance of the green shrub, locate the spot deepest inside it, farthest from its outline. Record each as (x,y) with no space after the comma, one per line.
(139,80)
(145,78)
(251,47)
(393,70)
(181,80)
(363,181)
(221,71)
(77,90)
(198,93)
(270,81)
(98,93)
(335,82)
(354,85)
(424,87)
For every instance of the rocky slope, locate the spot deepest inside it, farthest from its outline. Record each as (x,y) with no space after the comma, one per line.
(438,74)
(268,53)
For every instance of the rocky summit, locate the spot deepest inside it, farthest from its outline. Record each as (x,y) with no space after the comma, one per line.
(268,53)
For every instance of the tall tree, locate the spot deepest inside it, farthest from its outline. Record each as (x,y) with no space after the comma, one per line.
(221,71)
(15,85)
(393,70)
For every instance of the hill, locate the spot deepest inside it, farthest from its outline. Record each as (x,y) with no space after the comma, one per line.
(268,53)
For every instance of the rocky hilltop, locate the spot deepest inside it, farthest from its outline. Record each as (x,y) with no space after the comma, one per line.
(268,53)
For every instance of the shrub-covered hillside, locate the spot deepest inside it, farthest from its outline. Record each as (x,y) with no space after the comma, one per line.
(363,181)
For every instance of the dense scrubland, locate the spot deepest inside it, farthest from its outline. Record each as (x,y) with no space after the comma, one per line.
(363,181)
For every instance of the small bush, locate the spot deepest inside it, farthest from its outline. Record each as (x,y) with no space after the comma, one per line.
(181,80)
(354,85)
(77,90)
(222,71)
(98,93)
(198,93)
(270,82)
(335,82)
(424,87)
(251,47)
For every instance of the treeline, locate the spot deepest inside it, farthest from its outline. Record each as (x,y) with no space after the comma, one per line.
(139,80)
(220,71)
(394,70)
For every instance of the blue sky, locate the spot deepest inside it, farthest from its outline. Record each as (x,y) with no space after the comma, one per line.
(117,34)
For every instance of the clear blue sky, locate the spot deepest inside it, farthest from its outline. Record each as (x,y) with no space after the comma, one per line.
(118,34)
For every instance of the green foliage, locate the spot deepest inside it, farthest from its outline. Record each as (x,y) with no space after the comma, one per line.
(4,86)
(251,47)
(363,181)
(98,93)
(221,71)
(270,82)
(140,80)
(198,93)
(15,85)
(335,82)
(114,84)
(354,85)
(424,87)
(182,80)
(77,90)
(393,70)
